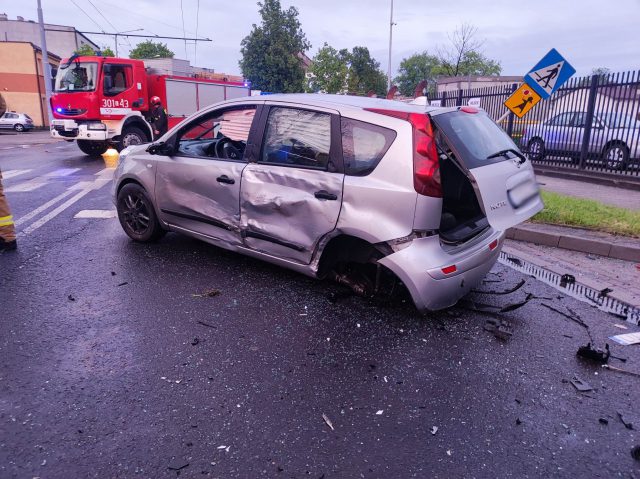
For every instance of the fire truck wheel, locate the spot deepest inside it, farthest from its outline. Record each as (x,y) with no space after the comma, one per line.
(131,136)
(93,148)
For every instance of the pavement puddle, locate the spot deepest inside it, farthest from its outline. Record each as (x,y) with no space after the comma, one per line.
(569,286)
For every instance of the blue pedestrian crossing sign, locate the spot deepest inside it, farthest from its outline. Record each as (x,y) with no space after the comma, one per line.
(549,73)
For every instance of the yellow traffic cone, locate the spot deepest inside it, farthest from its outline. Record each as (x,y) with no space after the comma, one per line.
(110,157)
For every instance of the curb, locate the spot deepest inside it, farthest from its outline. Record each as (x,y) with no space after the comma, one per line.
(597,178)
(601,247)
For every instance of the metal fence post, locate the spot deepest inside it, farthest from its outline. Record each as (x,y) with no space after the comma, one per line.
(514,87)
(443,101)
(459,101)
(586,137)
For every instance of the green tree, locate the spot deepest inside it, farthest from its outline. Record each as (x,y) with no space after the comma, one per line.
(329,70)
(150,49)
(414,69)
(87,51)
(464,57)
(270,51)
(365,74)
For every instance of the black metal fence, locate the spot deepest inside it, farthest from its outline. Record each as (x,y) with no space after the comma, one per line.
(590,123)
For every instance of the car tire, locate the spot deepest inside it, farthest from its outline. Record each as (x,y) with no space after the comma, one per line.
(137,215)
(131,135)
(536,149)
(93,148)
(616,156)
(18,127)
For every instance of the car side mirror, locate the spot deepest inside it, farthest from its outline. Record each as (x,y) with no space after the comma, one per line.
(161,148)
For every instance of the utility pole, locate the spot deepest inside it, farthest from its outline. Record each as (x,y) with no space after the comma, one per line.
(121,33)
(46,70)
(390,43)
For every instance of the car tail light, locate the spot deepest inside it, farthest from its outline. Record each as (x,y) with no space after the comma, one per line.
(493,245)
(426,165)
(449,269)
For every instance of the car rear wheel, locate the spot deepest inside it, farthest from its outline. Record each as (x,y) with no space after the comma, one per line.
(93,148)
(536,149)
(137,215)
(616,156)
(18,127)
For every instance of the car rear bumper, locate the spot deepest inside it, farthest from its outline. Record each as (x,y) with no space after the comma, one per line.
(66,129)
(420,265)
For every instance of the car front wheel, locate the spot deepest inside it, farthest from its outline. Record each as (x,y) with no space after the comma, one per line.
(536,149)
(616,156)
(137,215)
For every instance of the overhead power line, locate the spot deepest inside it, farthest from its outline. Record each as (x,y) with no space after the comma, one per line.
(86,14)
(131,35)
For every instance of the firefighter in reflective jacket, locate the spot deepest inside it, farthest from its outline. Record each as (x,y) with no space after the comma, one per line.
(158,118)
(7,228)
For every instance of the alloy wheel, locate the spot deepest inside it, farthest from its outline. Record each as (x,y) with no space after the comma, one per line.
(136,214)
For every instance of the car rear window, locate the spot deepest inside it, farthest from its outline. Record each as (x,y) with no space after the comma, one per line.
(27,116)
(474,136)
(363,145)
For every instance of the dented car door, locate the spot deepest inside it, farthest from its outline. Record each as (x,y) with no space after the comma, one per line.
(291,196)
(198,188)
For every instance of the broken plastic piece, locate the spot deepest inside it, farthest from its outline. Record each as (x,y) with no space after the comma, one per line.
(506,291)
(566,279)
(626,339)
(207,294)
(177,465)
(500,328)
(581,385)
(598,355)
(624,420)
(328,421)
(434,430)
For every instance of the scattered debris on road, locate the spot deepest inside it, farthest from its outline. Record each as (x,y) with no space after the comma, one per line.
(207,325)
(635,453)
(580,385)
(613,368)
(328,421)
(500,328)
(71,298)
(177,465)
(434,430)
(598,355)
(603,420)
(124,283)
(380,412)
(207,294)
(624,420)
(626,339)
(520,284)
(195,342)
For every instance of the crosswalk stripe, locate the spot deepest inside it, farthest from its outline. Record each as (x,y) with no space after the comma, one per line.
(102,214)
(30,185)
(61,172)
(13,173)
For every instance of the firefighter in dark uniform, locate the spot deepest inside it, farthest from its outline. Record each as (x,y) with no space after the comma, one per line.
(158,117)
(7,228)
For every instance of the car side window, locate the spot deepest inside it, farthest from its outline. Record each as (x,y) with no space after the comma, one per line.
(296,137)
(363,145)
(221,134)
(563,119)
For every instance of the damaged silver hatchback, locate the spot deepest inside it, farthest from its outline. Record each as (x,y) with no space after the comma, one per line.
(371,193)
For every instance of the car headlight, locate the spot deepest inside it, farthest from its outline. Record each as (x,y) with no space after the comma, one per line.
(96,125)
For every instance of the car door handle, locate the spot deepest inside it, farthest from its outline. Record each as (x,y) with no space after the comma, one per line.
(225,179)
(325,195)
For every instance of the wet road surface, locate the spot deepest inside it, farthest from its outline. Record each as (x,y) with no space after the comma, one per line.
(114,365)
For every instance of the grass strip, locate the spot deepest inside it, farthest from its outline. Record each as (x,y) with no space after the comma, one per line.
(570,211)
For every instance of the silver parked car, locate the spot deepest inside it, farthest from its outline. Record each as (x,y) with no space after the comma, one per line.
(614,141)
(16,121)
(365,191)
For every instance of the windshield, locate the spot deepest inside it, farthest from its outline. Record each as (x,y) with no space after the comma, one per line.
(475,136)
(617,120)
(79,76)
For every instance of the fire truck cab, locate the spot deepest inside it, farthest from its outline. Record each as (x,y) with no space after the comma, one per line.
(102,101)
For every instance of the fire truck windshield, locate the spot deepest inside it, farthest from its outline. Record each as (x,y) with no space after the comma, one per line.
(79,76)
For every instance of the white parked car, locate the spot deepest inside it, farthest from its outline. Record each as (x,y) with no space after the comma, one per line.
(366,191)
(16,121)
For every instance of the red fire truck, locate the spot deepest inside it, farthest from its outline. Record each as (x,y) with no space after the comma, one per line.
(103,101)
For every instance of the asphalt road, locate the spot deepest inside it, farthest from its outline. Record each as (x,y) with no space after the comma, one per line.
(111,367)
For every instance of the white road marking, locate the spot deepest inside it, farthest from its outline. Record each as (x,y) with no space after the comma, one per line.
(30,185)
(42,208)
(13,173)
(102,214)
(62,172)
(97,184)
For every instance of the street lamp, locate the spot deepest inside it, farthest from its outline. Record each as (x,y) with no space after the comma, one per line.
(391,24)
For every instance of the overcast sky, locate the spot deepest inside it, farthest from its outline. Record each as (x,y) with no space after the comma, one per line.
(589,33)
